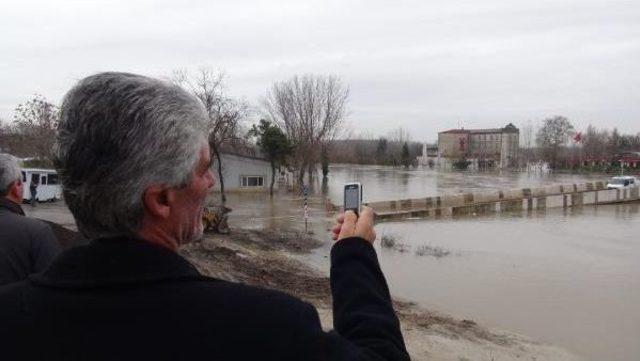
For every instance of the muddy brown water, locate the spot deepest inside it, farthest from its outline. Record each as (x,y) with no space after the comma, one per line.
(565,277)
(570,278)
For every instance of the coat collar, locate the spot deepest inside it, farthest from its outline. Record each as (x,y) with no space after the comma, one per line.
(113,262)
(11,206)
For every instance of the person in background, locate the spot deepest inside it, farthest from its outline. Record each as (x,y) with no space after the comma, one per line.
(33,190)
(26,245)
(135,165)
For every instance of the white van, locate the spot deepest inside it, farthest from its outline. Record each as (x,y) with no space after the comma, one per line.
(622,182)
(49,188)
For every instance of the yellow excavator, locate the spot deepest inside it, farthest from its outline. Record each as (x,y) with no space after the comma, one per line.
(214,218)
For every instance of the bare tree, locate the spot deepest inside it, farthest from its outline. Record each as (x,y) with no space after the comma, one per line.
(311,110)
(225,113)
(527,134)
(399,135)
(36,121)
(552,136)
(595,143)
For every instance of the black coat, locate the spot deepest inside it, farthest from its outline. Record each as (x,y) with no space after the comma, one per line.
(118,299)
(27,245)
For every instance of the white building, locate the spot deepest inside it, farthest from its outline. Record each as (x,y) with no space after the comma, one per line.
(430,156)
(244,173)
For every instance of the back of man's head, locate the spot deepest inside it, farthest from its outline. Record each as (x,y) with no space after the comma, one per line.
(9,173)
(118,134)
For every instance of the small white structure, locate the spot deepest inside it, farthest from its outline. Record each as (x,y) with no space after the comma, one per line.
(244,173)
(430,156)
(49,188)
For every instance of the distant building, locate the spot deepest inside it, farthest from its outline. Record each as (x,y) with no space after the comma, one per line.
(482,148)
(629,159)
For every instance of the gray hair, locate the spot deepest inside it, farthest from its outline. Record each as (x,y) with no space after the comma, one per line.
(9,172)
(119,133)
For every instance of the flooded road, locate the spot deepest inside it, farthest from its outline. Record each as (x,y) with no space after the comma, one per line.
(387,183)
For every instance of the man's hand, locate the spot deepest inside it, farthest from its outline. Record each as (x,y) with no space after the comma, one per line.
(350,225)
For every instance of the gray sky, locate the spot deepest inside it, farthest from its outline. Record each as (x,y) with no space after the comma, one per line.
(423,65)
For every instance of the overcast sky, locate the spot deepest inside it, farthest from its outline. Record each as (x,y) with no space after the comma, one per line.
(423,65)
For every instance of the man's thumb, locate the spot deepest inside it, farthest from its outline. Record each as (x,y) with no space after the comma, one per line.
(349,225)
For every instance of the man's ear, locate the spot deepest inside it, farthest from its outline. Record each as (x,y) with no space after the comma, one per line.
(15,191)
(156,202)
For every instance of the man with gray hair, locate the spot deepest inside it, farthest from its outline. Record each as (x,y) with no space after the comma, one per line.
(135,167)
(26,245)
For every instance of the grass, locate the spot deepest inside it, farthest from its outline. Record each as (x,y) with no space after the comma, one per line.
(427,250)
(387,241)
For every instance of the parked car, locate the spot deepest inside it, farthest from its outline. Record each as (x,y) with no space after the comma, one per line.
(622,182)
(49,188)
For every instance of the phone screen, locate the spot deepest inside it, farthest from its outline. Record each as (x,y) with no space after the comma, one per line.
(352,198)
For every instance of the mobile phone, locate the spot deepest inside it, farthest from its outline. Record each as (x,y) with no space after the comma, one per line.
(353,197)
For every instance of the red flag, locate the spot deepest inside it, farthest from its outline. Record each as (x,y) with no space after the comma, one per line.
(578,137)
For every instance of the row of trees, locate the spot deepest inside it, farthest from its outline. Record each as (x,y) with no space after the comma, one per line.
(395,149)
(303,116)
(32,132)
(561,145)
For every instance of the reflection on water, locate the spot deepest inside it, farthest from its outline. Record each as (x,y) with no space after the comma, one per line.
(571,278)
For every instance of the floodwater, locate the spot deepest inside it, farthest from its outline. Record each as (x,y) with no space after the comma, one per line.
(569,278)
(386,183)
(565,277)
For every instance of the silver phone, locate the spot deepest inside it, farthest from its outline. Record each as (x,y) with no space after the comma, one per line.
(353,197)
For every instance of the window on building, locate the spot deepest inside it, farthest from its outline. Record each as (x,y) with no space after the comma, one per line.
(52,179)
(24,176)
(252,181)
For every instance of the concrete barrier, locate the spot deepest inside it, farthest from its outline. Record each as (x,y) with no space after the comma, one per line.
(510,200)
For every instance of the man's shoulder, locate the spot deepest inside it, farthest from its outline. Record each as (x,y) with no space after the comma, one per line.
(242,294)
(28,223)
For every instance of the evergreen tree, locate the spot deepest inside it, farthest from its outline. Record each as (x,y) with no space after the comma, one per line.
(273,143)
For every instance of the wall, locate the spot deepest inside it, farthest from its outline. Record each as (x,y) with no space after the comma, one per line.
(449,145)
(234,167)
(509,149)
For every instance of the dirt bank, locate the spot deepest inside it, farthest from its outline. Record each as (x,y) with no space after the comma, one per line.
(262,259)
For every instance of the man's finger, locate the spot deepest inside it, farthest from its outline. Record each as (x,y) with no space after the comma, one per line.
(340,218)
(366,217)
(349,225)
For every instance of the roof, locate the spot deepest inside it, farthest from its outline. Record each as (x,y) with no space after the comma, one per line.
(509,128)
(456,131)
(240,155)
(487,131)
(38,170)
